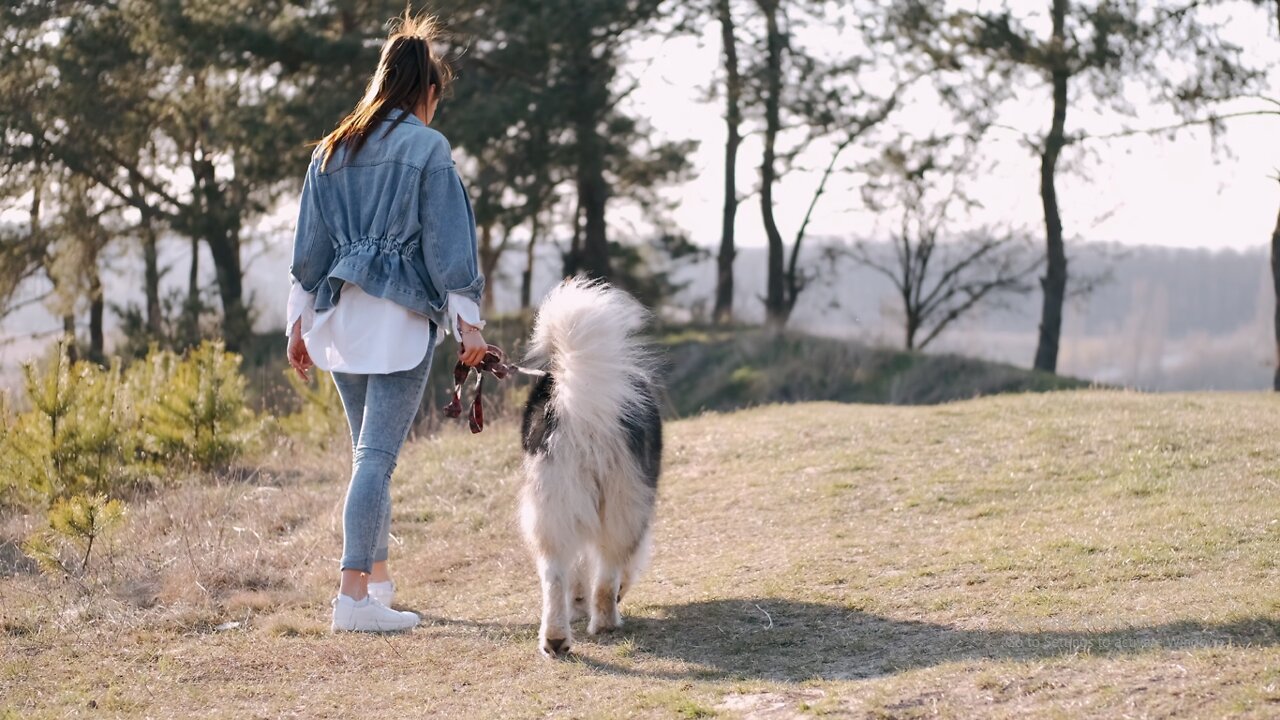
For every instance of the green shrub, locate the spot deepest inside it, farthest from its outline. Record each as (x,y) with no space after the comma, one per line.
(79,436)
(321,420)
(41,438)
(74,524)
(199,414)
(106,431)
(747,382)
(93,431)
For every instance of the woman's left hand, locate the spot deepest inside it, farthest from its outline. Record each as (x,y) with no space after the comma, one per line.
(473,344)
(299,358)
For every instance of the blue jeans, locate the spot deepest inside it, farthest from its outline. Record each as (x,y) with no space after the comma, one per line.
(380,410)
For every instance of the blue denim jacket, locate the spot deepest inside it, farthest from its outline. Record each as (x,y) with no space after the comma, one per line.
(395,220)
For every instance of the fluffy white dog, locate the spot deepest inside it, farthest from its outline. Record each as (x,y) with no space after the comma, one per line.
(592,438)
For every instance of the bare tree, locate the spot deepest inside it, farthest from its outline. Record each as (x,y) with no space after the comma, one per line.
(1275,279)
(1275,259)
(733,120)
(833,102)
(796,279)
(939,278)
(1275,248)
(1095,52)
(775,299)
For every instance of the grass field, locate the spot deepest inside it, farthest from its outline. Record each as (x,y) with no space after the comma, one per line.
(1083,554)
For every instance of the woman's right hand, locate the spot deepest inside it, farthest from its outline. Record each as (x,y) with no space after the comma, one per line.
(299,358)
(473,344)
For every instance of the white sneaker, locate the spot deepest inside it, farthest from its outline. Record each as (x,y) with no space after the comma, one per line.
(383,592)
(369,615)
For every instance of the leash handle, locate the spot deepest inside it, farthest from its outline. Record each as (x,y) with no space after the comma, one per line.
(495,363)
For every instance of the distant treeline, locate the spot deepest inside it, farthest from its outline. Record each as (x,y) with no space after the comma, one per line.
(126,122)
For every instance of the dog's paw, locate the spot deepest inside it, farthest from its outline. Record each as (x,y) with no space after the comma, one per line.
(554,648)
(601,626)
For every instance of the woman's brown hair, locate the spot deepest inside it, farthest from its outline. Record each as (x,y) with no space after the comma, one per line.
(406,70)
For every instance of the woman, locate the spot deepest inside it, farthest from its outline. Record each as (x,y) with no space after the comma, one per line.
(384,255)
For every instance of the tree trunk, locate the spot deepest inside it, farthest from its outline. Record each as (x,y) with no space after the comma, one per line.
(488,264)
(68,318)
(775,299)
(220,227)
(526,278)
(909,306)
(97,349)
(1275,279)
(573,258)
(69,333)
(1054,282)
(151,276)
(723,312)
(588,110)
(592,196)
(224,248)
(191,314)
(151,269)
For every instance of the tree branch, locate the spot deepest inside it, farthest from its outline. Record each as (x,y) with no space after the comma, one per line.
(1210,120)
(933,300)
(861,256)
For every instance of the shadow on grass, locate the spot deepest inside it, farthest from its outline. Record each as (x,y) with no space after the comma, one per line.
(786,640)
(780,639)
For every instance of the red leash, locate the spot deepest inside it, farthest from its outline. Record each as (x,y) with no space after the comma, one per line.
(495,363)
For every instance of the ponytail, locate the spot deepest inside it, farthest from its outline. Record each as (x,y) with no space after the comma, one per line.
(406,71)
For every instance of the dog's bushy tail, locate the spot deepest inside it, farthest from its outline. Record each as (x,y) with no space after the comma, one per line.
(587,336)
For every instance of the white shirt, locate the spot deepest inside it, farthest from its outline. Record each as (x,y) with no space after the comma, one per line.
(365,334)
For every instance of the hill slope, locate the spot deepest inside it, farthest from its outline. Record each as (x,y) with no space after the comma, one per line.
(727,369)
(1062,555)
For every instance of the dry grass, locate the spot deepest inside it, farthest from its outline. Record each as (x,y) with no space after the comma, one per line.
(1062,555)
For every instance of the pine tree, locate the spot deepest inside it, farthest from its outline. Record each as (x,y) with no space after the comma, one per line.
(200,415)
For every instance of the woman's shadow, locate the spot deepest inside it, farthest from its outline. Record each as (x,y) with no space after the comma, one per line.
(788,640)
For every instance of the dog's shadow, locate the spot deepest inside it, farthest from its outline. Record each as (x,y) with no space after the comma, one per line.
(788,640)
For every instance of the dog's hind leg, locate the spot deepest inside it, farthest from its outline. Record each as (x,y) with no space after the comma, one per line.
(555,638)
(604,598)
(580,588)
(636,564)
(622,536)
(555,517)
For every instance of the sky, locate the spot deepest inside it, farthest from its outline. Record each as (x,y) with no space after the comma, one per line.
(1142,190)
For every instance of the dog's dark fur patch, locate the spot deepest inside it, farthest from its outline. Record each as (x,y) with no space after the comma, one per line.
(643,426)
(539,417)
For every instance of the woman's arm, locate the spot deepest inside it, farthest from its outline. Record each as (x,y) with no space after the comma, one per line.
(449,248)
(449,243)
(301,304)
(313,251)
